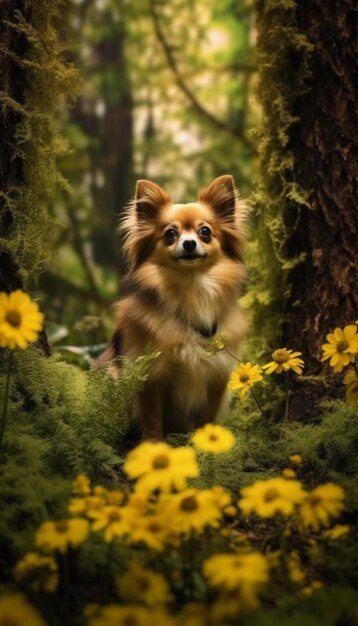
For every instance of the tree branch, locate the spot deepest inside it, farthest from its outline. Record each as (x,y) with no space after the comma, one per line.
(216,122)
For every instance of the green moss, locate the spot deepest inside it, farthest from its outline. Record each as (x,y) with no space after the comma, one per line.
(62,421)
(50,80)
(283,53)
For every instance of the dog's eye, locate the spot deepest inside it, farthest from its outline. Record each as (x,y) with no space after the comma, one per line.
(170,235)
(205,232)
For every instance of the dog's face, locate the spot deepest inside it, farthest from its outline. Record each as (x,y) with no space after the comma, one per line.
(185,237)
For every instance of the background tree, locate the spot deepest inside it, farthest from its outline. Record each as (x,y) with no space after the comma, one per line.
(307,198)
(34,78)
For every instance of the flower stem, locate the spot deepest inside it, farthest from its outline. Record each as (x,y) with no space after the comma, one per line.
(287,390)
(6,401)
(232,355)
(256,400)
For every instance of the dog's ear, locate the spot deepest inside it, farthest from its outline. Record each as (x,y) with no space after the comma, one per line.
(221,196)
(149,199)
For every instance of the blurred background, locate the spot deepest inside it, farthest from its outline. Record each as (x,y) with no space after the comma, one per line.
(168,92)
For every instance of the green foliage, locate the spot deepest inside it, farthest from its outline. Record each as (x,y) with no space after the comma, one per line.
(62,421)
(37,140)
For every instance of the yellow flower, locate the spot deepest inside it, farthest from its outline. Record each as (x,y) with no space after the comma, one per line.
(310,589)
(244,377)
(266,498)
(81,486)
(16,611)
(142,585)
(338,531)
(152,530)
(61,534)
(114,520)
(341,348)
(190,510)
(321,504)
(20,320)
(157,466)
(245,573)
(82,506)
(115,615)
(295,570)
(283,361)
(213,438)
(40,571)
(226,608)
(216,344)
(296,459)
(288,472)
(221,496)
(351,382)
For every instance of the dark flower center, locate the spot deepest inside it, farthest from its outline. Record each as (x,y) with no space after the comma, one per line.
(244,378)
(13,318)
(130,620)
(114,516)
(342,345)
(62,526)
(213,438)
(314,500)
(271,494)
(143,584)
(281,356)
(160,462)
(189,504)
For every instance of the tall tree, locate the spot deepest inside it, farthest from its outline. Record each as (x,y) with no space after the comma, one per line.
(34,78)
(307,196)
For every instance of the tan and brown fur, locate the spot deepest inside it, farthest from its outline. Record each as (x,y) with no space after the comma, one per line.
(174,302)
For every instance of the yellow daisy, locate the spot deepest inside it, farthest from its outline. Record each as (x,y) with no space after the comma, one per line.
(158,466)
(143,585)
(338,531)
(351,382)
(115,615)
(152,530)
(213,438)
(283,361)
(41,572)
(189,510)
(296,459)
(245,573)
(321,504)
(16,611)
(244,377)
(288,472)
(81,486)
(115,521)
(341,348)
(269,497)
(62,534)
(295,569)
(82,506)
(20,320)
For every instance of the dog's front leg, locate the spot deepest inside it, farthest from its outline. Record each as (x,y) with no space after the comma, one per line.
(149,412)
(215,398)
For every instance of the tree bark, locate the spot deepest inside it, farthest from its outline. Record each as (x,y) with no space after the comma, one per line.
(325,147)
(13,85)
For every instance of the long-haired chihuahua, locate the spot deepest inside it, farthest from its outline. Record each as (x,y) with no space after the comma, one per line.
(182,287)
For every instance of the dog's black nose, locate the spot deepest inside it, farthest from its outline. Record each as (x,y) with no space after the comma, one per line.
(189,245)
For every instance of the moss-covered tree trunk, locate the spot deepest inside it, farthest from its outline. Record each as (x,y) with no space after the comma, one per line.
(305,280)
(13,84)
(325,147)
(34,79)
